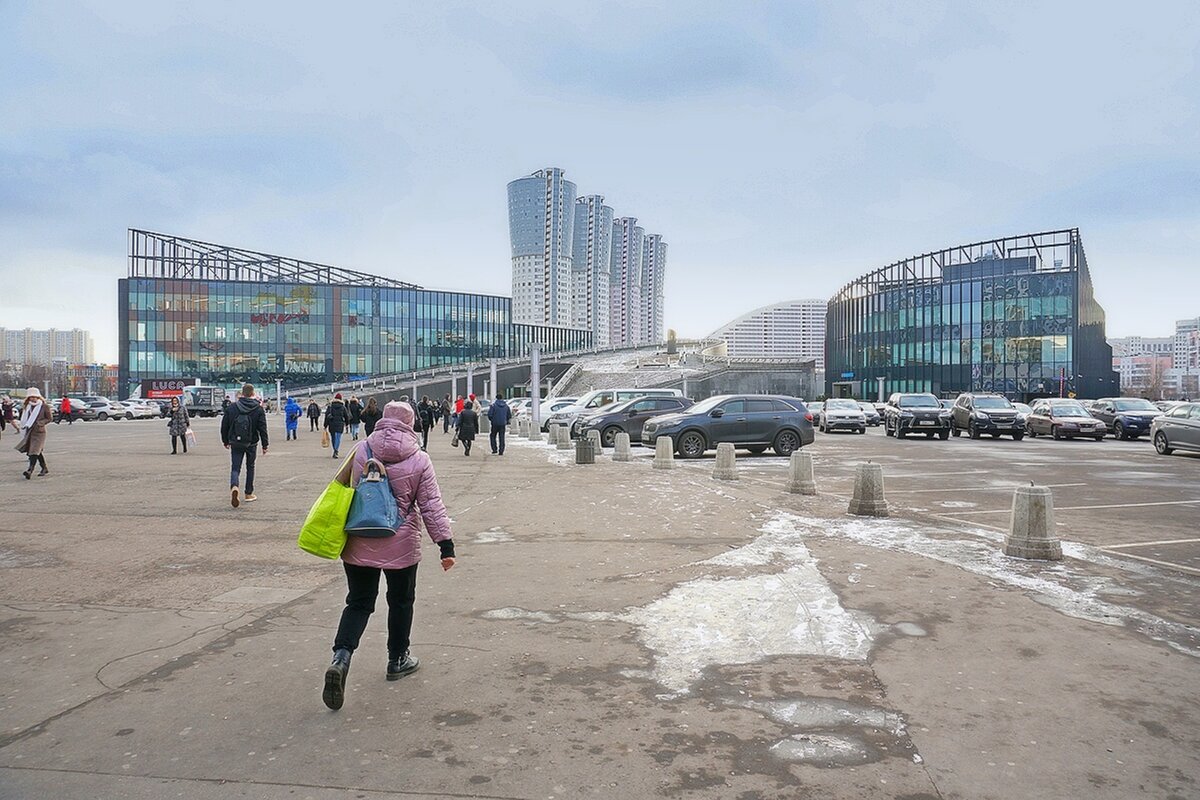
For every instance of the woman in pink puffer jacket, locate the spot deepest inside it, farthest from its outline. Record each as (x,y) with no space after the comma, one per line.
(410,472)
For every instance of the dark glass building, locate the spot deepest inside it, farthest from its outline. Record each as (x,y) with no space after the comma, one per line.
(225,315)
(1015,316)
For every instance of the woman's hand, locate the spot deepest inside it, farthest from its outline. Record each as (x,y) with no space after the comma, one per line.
(447,563)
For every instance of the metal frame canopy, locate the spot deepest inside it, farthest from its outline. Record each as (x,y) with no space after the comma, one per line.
(158,255)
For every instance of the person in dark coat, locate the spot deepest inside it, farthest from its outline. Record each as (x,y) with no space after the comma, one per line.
(336,418)
(371,416)
(6,412)
(425,414)
(354,409)
(314,415)
(35,415)
(468,426)
(177,426)
(242,428)
(498,414)
(446,411)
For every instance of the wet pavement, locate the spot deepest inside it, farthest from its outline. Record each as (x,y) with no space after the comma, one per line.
(611,631)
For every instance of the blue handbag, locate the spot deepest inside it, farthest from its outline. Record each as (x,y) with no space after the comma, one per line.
(373,511)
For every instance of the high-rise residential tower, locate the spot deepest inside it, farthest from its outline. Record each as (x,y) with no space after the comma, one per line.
(591,257)
(625,283)
(654,269)
(541,219)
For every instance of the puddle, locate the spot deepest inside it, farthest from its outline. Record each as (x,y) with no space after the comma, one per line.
(493,536)
(909,629)
(521,614)
(957,504)
(819,712)
(819,749)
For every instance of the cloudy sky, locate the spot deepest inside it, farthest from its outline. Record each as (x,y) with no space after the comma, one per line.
(781,149)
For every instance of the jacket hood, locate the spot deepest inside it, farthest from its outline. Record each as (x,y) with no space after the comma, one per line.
(393,439)
(247,404)
(291,403)
(336,402)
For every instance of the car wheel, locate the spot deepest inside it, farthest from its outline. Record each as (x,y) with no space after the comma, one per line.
(1054,434)
(995,436)
(129,416)
(786,442)
(1018,436)
(899,433)
(1029,430)
(972,431)
(1161,444)
(957,433)
(929,435)
(102,416)
(1100,438)
(1119,431)
(944,435)
(862,430)
(692,445)
(757,450)
(609,436)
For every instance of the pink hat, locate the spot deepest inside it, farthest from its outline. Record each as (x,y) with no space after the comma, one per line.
(399,411)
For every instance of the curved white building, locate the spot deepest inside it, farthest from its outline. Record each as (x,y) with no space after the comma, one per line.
(787,331)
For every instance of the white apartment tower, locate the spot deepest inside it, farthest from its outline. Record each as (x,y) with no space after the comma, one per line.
(43,347)
(541,219)
(591,262)
(654,270)
(625,283)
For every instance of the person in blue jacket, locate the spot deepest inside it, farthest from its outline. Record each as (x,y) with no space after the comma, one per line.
(291,415)
(498,414)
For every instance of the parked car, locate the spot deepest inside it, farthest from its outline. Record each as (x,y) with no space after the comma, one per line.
(749,422)
(599,398)
(549,407)
(104,408)
(915,413)
(1125,417)
(992,414)
(838,413)
(1062,417)
(629,417)
(80,410)
(871,414)
(1023,408)
(1178,429)
(137,409)
(1166,405)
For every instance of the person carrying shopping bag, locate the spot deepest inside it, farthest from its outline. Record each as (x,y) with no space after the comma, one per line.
(410,475)
(335,422)
(177,425)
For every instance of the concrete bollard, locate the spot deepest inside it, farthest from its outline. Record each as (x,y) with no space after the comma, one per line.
(623,451)
(664,453)
(726,468)
(1031,532)
(522,427)
(585,450)
(800,473)
(594,438)
(564,437)
(868,498)
(485,424)
(532,431)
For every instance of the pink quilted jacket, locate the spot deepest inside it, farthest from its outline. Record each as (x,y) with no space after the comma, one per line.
(410,473)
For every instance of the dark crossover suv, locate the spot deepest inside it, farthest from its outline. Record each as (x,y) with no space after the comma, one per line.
(629,417)
(751,422)
(992,414)
(1125,417)
(915,413)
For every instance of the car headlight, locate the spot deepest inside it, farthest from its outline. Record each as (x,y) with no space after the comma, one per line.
(979,415)
(906,415)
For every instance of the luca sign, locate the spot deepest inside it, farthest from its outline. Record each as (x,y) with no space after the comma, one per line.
(161,388)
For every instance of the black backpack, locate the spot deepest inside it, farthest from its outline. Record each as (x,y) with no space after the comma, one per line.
(243,428)
(427,414)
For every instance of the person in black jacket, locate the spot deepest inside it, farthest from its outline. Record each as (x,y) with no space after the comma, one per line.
(426,413)
(242,428)
(336,418)
(371,415)
(468,426)
(314,415)
(354,409)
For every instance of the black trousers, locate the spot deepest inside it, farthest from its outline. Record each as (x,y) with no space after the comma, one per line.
(235,472)
(425,436)
(175,443)
(363,589)
(312,423)
(497,435)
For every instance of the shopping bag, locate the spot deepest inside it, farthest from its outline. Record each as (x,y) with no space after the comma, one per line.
(373,510)
(191,438)
(325,438)
(324,531)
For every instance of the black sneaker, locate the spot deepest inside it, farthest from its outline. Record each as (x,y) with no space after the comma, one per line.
(335,679)
(397,668)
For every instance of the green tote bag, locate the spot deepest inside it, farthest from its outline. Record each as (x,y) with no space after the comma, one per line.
(324,531)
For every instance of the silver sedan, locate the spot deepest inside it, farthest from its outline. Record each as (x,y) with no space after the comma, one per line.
(1178,429)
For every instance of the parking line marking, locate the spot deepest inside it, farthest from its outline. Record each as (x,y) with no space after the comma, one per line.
(1168,564)
(1148,544)
(980,488)
(1086,508)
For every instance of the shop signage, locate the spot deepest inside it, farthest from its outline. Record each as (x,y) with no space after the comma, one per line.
(163,388)
(264,320)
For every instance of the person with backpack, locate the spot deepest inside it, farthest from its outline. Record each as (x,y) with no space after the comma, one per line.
(314,416)
(498,414)
(335,422)
(414,485)
(468,427)
(446,414)
(291,417)
(425,412)
(242,428)
(371,416)
(354,409)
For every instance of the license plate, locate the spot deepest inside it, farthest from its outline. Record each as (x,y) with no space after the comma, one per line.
(927,422)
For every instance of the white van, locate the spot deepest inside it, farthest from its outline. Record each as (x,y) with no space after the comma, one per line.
(598,398)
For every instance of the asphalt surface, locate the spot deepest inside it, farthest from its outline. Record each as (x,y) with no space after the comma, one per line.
(610,631)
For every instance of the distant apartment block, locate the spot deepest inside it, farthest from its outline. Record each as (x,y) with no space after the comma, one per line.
(1162,366)
(786,331)
(45,347)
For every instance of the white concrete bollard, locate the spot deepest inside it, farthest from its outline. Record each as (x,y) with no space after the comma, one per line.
(664,453)
(868,498)
(564,437)
(1031,532)
(522,427)
(594,438)
(800,473)
(532,431)
(726,468)
(622,451)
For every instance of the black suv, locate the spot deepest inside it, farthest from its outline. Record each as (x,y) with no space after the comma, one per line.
(629,417)
(1125,417)
(750,422)
(915,413)
(992,414)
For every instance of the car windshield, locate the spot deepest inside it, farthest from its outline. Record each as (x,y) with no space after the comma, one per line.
(621,406)
(849,405)
(704,406)
(1136,404)
(1068,410)
(866,407)
(992,402)
(919,401)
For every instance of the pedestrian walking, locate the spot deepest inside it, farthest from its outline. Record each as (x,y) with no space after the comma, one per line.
(458,408)
(335,422)
(242,428)
(291,417)
(425,412)
(410,474)
(498,414)
(354,408)
(35,415)
(446,414)
(225,403)
(64,411)
(468,427)
(177,425)
(6,413)
(371,416)
(314,416)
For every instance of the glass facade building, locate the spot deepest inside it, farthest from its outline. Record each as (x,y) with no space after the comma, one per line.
(223,315)
(1016,316)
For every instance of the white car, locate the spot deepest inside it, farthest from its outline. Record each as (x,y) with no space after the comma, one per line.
(599,398)
(137,409)
(840,413)
(551,406)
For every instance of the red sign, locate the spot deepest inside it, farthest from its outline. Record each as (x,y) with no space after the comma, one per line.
(164,388)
